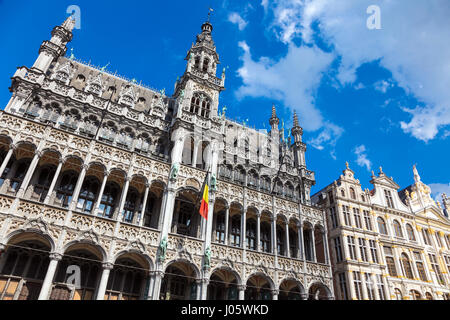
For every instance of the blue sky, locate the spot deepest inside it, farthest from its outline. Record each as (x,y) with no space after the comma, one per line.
(370,97)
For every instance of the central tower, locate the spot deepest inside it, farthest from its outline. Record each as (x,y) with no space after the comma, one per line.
(198,89)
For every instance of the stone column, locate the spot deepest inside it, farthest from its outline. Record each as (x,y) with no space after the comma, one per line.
(241,289)
(157,285)
(287,239)
(195,153)
(258,231)
(325,248)
(151,285)
(300,242)
(55,178)
(204,287)
(78,186)
(29,174)
(6,160)
(227,219)
(275,294)
(123,197)
(243,228)
(107,267)
(144,204)
(274,235)
(313,246)
(100,194)
(48,280)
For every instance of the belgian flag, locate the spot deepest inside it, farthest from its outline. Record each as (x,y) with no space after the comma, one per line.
(204,205)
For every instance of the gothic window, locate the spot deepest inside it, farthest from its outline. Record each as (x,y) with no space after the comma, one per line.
(125,138)
(7,168)
(398,229)
(197,63)
(280,241)
(278,188)
(265,183)
(44,180)
(131,205)
(289,190)
(19,175)
(143,144)
(239,175)
(88,194)
(66,187)
(71,120)
(89,126)
(108,202)
(51,113)
(220,227)
(382,226)
(265,240)
(251,234)
(33,109)
(352,193)
(293,241)
(235,231)
(125,281)
(24,270)
(200,102)
(205,65)
(253,179)
(159,147)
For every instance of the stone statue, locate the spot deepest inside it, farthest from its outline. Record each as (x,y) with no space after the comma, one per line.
(162,249)
(213,182)
(174,171)
(207,258)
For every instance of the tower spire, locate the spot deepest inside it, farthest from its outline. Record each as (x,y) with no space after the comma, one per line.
(416,174)
(274,121)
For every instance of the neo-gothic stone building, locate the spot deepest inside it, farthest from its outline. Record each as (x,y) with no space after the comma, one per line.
(101,178)
(387,244)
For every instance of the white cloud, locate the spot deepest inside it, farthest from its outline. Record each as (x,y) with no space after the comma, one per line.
(411,45)
(361,159)
(293,80)
(235,18)
(383,85)
(437,189)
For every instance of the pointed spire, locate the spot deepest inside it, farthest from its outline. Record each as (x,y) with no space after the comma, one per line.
(296,120)
(416,174)
(274,111)
(69,23)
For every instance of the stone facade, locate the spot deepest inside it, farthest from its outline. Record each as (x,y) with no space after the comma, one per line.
(101,177)
(386,244)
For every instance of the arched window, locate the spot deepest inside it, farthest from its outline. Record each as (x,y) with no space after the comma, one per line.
(201,104)
(239,175)
(205,64)
(280,241)
(66,187)
(407,266)
(363,199)
(88,194)
(125,281)
(410,232)
(108,202)
(197,63)
(253,179)
(382,226)
(251,234)
(398,229)
(159,147)
(289,190)
(265,239)
(235,230)
(265,183)
(415,295)
(342,192)
(44,181)
(293,242)
(398,294)
(352,193)
(220,227)
(131,205)
(428,296)
(19,175)
(278,188)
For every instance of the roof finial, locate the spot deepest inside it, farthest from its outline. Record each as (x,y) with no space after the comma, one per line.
(346,164)
(69,23)
(416,174)
(209,13)
(381,170)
